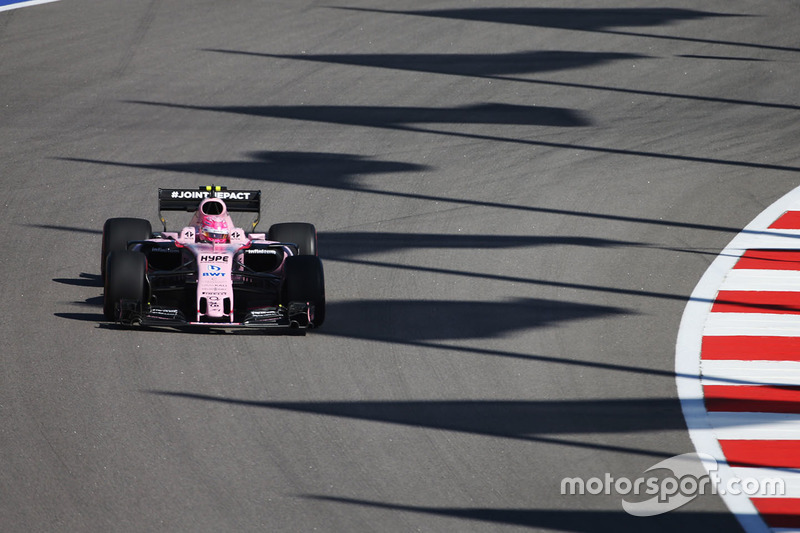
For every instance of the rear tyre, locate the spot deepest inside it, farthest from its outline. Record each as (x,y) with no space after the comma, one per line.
(116,234)
(303,234)
(305,282)
(125,280)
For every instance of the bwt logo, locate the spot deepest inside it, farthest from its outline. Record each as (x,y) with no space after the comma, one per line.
(214,258)
(214,270)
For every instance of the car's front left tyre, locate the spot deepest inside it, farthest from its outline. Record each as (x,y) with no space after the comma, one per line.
(305,282)
(302,234)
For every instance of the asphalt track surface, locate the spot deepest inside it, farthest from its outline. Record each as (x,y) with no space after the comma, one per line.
(515,201)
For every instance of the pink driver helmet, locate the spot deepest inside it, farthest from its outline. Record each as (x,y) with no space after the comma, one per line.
(214,229)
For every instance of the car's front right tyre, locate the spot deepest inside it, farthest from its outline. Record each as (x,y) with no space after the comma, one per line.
(126,273)
(116,234)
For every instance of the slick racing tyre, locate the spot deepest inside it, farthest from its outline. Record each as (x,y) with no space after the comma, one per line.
(305,282)
(125,280)
(303,234)
(116,234)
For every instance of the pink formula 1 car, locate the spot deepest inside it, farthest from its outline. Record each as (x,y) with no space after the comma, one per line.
(212,273)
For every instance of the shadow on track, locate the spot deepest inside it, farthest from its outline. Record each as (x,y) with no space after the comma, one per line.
(585,19)
(389,118)
(340,171)
(83,280)
(598,20)
(500,66)
(82,317)
(515,419)
(405,321)
(571,519)
(473,65)
(343,244)
(316,169)
(72,229)
(529,421)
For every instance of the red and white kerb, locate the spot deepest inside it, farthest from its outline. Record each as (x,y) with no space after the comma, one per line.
(738,365)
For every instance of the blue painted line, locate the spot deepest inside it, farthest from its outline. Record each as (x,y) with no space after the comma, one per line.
(5,5)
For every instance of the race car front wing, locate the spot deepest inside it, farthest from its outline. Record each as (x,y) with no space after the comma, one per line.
(295,315)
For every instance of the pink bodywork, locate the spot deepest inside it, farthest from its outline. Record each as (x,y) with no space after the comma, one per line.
(215,261)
